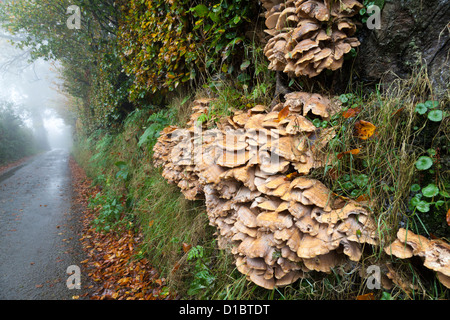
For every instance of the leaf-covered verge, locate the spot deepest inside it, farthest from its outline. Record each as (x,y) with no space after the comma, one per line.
(115,268)
(135,67)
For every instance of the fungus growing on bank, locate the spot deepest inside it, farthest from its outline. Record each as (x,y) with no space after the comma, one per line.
(309,36)
(276,228)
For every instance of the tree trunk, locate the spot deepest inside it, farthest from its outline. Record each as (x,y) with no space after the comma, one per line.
(413,33)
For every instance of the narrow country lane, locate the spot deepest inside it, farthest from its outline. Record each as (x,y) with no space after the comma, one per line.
(39,225)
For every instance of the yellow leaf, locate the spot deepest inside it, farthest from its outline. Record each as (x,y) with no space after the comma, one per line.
(283,113)
(364,129)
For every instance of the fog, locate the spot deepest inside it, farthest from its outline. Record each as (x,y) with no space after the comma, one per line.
(32,87)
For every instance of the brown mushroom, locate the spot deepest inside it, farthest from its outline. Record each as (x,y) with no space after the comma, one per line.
(435,253)
(305,35)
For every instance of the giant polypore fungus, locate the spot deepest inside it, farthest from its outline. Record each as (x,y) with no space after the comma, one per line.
(309,36)
(277,227)
(435,253)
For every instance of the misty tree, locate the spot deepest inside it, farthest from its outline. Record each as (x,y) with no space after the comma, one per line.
(88,56)
(45,34)
(16,139)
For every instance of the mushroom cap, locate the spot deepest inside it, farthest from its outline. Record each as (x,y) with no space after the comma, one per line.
(256,247)
(323,263)
(247,216)
(299,124)
(304,45)
(311,247)
(314,9)
(261,281)
(272,220)
(399,249)
(272,19)
(318,105)
(231,159)
(319,195)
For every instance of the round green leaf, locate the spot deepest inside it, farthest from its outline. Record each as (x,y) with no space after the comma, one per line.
(439,203)
(445,194)
(430,190)
(421,108)
(317,122)
(423,206)
(348,185)
(414,201)
(424,163)
(435,115)
(431,104)
(343,98)
(415,187)
(361,180)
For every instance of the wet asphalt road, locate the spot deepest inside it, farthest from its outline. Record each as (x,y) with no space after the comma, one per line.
(38,229)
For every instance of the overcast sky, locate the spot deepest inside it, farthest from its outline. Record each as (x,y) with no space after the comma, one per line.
(33,86)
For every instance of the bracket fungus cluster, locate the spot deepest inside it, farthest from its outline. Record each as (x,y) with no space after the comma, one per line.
(277,225)
(309,36)
(435,253)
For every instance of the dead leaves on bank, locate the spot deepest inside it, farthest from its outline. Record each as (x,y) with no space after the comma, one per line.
(115,264)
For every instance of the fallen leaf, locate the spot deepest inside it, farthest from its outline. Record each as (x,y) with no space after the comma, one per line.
(364,129)
(39,285)
(363,197)
(291,176)
(186,247)
(397,112)
(351,112)
(175,267)
(283,113)
(353,151)
(367,296)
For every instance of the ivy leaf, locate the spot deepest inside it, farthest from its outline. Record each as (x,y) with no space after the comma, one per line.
(214,17)
(201,10)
